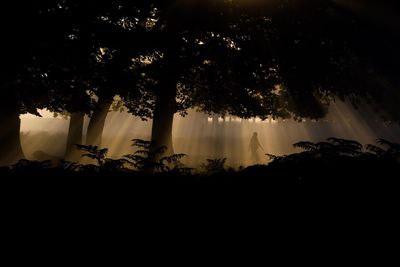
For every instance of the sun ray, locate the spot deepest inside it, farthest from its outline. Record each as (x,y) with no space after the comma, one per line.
(202,138)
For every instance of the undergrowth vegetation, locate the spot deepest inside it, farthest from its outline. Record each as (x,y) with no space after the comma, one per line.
(332,160)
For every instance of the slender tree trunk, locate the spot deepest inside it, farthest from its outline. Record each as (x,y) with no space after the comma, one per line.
(215,120)
(164,117)
(74,137)
(98,121)
(10,138)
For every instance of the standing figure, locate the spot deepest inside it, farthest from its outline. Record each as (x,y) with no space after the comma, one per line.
(254,146)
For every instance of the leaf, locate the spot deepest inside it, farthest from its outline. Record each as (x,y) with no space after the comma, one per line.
(142,152)
(141,143)
(308,146)
(273,157)
(375,149)
(348,143)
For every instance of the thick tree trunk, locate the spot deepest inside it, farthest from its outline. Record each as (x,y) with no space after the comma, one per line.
(10,138)
(164,118)
(98,121)
(74,137)
(166,106)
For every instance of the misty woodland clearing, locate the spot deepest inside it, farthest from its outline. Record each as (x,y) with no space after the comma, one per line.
(291,90)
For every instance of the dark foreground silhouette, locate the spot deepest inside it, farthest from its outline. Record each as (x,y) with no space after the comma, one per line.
(335,163)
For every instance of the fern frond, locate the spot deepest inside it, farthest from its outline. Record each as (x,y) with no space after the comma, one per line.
(308,146)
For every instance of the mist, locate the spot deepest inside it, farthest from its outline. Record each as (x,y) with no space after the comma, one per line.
(201,136)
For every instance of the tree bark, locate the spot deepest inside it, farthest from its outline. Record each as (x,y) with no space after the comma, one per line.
(166,106)
(10,138)
(164,117)
(74,137)
(98,121)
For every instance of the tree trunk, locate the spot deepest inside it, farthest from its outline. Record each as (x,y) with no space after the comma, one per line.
(98,121)
(74,137)
(164,118)
(165,106)
(215,120)
(10,138)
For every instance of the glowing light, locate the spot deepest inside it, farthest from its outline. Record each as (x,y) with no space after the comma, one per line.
(200,138)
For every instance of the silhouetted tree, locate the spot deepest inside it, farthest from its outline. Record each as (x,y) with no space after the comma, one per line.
(283,59)
(27,40)
(246,58)
(99,43)
(192,46)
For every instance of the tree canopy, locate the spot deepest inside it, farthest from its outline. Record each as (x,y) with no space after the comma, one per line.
(246,58)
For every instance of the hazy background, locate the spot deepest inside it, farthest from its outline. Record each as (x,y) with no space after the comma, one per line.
(201,138)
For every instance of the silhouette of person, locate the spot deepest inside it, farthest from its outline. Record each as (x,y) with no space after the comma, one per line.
(254,146)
